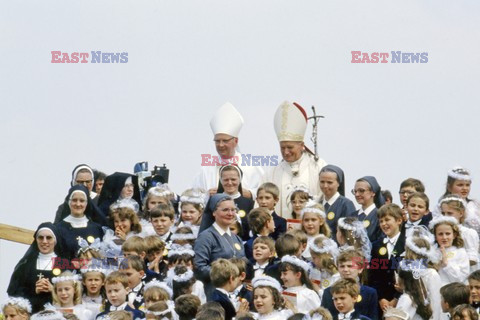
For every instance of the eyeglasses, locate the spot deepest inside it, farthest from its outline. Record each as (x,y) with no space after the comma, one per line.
(359,191)
(406,193)
(224,141)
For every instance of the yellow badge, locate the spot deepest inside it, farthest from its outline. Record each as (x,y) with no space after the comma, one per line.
(165,252)
(241,213)
(90,239)
(56,272)
(382,251)
(238,247)
(331,215)
(359,298)
(450,254)
(325,283)
(366,223)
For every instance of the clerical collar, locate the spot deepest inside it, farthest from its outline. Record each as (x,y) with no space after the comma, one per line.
(120,307)
(332,199)
(77,222)
(220,230)
(45,261)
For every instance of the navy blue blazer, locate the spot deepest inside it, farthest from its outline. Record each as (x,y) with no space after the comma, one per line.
(341,208)
(381,273)
(373,229)
(137,314)
(280,226)
(226,304)
(368,305)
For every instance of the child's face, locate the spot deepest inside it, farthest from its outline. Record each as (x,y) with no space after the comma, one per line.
(266,200)
(261,252)
(291,279)
(317,260)
(451,212)
(329,184)
(349,270)
(149,302)
(404,193)
(154,201)
(11,313)
(263,300)
(161,225)
(182,262)
(444,235)
(445,306)
(65,292)
(123,224)
(134,276)
(311,222)
(298,204)
(234,228)
(116,293)
(344,302)
(230,181)
(390,226)
(474,286)
(460,188)
(152,255)
(93,282)
(190,214)
(416,208)
(363,194)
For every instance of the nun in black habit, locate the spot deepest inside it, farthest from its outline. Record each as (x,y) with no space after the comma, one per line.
(78,224)
(118,186)
(31,278)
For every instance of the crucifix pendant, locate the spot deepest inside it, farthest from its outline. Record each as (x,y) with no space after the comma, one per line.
(40,276)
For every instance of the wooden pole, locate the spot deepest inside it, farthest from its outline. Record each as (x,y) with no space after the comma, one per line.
(16,234)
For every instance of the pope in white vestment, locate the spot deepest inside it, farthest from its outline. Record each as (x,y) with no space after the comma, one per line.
(298,168)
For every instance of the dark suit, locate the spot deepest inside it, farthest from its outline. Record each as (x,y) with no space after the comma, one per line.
(280,226)
(225,302)
(373,228)
(137,314)
(367,306)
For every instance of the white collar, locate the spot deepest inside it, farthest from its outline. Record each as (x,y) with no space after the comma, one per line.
(48,256)
(347,315)
(416,223)
(120,307)
(137,288)
(224,291)
(262,265)
(368,210)
(165,236)
(235,196)
(332,199)
(220,230)
(394,239)
(77,222)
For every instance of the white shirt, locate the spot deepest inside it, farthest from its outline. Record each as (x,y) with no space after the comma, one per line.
(120,307)
(260,268)
(220,230)
(332,200)
(367,210)
(77,222)
(391,243)
(307,300)
(458,267)
(303,172)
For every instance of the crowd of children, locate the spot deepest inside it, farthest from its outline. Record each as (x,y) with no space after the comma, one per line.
(115,254)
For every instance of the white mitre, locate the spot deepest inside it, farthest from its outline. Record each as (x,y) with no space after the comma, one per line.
(227,120)
(290,122)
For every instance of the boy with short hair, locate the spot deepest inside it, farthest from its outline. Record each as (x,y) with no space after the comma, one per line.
(136,246)
(474,285)
(350,265)
(386,255)
(133,267)
(267,197)
(409,187)
(224,276)
(244,288)
(186,306)
(162,218)
(454,294)
(302,238)
(116,288)
(261,224)
(155,256)
(345,293)
(263,254)
(286,244)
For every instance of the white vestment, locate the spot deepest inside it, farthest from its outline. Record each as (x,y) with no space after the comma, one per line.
(303,172)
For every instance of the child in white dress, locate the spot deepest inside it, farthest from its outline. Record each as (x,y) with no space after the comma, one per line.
(268,300)
(67,295)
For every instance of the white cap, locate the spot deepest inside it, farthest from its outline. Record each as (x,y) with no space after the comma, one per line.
(227,120)
(290,122)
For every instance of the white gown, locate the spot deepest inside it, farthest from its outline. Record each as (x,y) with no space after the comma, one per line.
(307,299)
(208,177)
(406,304)
(303,172)
(275,315)
(458,267)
